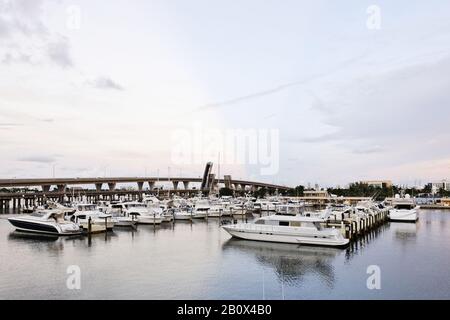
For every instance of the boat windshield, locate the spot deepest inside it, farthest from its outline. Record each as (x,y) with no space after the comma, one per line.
(135,205)
(37,214)
(86,208)
(404,206)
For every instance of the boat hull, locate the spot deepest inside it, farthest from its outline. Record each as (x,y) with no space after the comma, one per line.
(202,215)
(42,228)
(214,214)
(167,218)
(292,239)
(183,217)
(149,220)
(403,215)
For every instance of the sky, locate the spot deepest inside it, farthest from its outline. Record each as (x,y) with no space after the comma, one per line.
(330,92)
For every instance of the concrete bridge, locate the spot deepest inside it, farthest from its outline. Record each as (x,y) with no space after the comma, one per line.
(180,185)
(63,183)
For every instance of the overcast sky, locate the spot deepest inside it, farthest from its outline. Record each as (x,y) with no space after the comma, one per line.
(102,92)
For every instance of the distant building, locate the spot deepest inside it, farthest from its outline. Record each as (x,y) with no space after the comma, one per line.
(436,186)
(316,193)
(445,202)
(378,183)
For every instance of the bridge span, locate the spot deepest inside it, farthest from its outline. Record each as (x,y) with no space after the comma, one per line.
(111,182)
(106,188)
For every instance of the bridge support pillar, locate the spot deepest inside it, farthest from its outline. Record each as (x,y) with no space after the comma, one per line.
(140,186)
(175,184)
(227,181)
(46,188)
(186,185)
(151,185)
(98,186)
(112,186)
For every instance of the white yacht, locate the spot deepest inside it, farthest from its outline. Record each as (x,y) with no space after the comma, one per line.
(289,209)
(226,204)
(201,209)
(159,207)
(403,209)
(46,221)
(119,215)
(216,211)
(181,214)
(100,221)
(288,229)
(267,205)
(142,213)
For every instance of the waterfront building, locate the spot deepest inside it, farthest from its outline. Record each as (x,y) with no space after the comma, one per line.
(378,183)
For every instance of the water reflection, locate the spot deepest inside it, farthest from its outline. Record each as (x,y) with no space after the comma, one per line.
(291,263)
(55,242)
(405,232)
(41,242)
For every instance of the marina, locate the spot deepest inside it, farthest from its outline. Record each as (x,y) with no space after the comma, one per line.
(197,259)
(206,151)
(159,244)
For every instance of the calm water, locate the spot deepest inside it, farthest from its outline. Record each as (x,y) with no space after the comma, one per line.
(200,261)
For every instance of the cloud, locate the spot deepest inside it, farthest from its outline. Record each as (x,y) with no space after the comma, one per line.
(38,159)
(105,83)
(10,124)
(322,138)
(24,34)
(282,87)
(368,149)
(59,53)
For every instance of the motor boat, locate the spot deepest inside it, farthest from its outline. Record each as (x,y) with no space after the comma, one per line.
(225,202)
(403,209)
(288,229)
(142,213)
(201,208)
(181,214)
(46,221)
(215,211)
(166,214)
(289,209)
(119,215)
(159,207)
(267,205)
(100,221)
(240,209)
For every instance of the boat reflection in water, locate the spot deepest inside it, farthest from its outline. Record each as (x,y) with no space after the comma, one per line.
(290,263)
(48,241)
(24,236)
(405,232)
